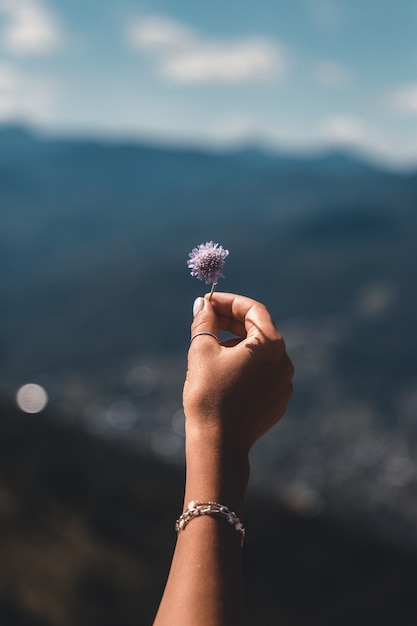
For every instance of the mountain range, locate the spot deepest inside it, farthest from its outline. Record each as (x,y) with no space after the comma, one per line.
(94,239)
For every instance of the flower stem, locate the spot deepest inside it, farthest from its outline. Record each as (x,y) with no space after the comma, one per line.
(213,287)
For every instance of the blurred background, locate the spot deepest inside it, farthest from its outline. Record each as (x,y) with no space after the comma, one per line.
(130,132)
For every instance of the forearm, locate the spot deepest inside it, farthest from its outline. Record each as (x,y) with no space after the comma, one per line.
(216,470)
(205,582)
(234,392)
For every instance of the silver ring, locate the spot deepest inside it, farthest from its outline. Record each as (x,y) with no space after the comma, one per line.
(204,333)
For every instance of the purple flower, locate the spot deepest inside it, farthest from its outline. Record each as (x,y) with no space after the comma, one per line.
(206,262)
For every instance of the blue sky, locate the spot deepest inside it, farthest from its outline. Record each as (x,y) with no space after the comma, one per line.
(297,75)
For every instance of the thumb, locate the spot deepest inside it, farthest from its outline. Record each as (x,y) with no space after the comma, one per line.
(205,321)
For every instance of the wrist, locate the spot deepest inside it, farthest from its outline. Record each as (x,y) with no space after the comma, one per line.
(216,471)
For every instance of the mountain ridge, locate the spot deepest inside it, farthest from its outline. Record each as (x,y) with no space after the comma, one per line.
(15,137)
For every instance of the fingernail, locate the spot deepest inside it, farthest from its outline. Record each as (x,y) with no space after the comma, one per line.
(198,305)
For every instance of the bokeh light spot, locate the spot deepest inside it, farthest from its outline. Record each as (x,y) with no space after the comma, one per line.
(32,398)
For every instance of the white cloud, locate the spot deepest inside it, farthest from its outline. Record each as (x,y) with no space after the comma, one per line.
(383,144)
(23,97)
(404,99)
(8,79)
(155,32)
(30,28)
(331,74)
(238,62)
(343,130)
(8,88)
(183,55)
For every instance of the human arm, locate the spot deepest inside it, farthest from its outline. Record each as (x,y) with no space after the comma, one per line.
(234,392)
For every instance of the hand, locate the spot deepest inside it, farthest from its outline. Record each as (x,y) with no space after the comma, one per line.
(236,390)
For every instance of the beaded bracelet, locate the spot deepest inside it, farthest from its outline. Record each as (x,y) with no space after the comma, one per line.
(196,509)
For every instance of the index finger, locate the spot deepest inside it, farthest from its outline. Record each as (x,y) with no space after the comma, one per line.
(251,315)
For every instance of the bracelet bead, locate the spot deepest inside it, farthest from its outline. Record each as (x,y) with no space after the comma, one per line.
(196,509)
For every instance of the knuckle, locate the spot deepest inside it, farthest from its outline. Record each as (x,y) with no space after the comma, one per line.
(199,325)
(280,355)
(277,343)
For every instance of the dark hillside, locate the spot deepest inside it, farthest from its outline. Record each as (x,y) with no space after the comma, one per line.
(87,534)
